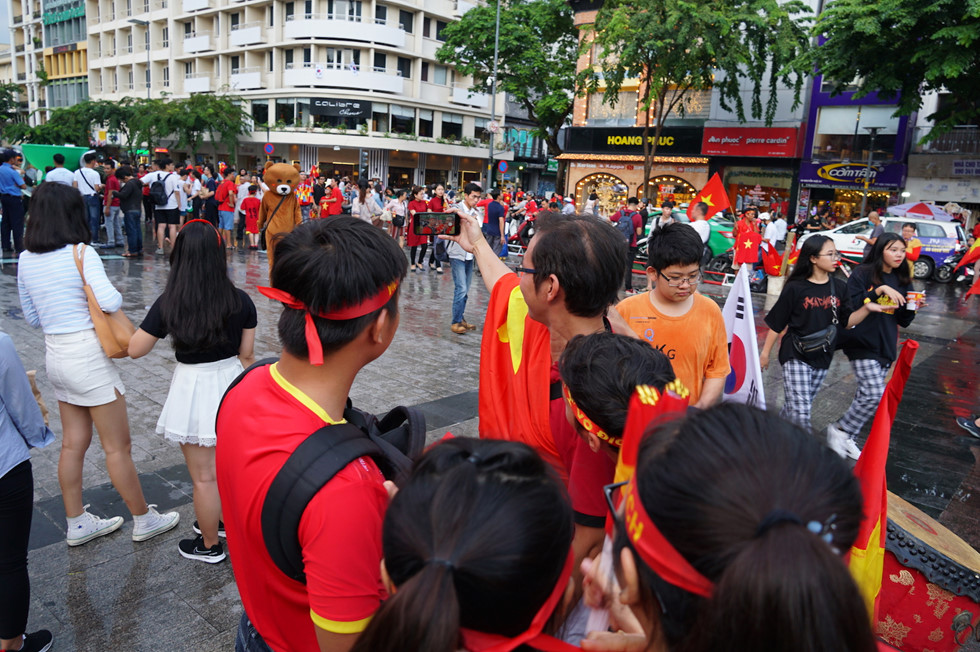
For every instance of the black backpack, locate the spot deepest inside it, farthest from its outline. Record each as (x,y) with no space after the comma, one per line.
(393,442)
(158,191)
(625,226)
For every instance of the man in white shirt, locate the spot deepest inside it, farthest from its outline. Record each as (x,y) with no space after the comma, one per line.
(167,215)
(779,230)
(59,173)
(89,183)
(241,195)
(461,261)
(569,207)
(699,222)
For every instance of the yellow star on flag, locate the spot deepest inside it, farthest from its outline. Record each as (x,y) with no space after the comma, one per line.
(707,200)
(748,244)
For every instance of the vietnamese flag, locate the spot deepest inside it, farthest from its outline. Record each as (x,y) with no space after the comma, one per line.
(772,260)
(867,557)
(971,256)
(747,247)
(912,249)
(314,172)
(713,194)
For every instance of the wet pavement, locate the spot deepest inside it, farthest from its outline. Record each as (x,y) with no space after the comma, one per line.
(119,595)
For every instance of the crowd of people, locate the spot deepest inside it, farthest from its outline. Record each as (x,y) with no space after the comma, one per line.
(728,534)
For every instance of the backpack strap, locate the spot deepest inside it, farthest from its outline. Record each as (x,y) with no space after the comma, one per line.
(319,458)
(261,363)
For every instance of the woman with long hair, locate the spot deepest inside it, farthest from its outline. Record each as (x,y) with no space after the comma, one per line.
(812,301)
(730,537)
(415,242)
(211,324)
(85,381)
(872,347)
(437,204)
(397,206)
(365,206)
(476,551)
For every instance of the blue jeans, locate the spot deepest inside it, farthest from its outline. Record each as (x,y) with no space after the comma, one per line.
(134,234)
(462,277)
(93,204)
(114,226)
(247,639)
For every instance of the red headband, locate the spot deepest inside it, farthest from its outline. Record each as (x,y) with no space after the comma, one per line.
(313,343)
(588,424)
(475,641)
(205,222)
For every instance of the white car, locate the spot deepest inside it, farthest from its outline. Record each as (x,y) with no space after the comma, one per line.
(939,239)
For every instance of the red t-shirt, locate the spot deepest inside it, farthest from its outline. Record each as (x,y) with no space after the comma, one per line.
(228,203)
(419,206)
(335,208)
(262,421)
(437,204)
(251,206)
(111,183)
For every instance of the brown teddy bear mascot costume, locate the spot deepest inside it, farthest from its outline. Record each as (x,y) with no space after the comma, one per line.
(280,211)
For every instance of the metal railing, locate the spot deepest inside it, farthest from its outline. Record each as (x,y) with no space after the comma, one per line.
(961,140)
(247,70)
(249,25)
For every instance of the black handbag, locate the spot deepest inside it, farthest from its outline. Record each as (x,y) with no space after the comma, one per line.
(823,340)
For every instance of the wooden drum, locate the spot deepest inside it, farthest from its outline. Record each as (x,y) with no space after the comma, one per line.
(930,585)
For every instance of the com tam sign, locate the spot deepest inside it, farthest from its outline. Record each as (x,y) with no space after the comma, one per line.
(837,174)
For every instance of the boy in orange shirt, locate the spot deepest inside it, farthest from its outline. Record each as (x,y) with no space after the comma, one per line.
(686,326)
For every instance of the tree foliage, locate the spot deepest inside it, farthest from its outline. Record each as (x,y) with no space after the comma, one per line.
(674,47)
(536,62)
(8,101)
(903,49)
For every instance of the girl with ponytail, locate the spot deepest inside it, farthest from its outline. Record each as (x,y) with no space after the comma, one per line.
(476,552)
(737,521)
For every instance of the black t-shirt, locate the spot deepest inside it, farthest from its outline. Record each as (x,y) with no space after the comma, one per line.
(245,318)
(875,338)
(318,192)
(804,308)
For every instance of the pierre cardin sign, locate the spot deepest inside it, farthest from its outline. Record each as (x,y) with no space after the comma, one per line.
(350,109)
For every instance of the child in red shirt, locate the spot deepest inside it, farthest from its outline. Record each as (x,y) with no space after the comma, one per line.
(251,206)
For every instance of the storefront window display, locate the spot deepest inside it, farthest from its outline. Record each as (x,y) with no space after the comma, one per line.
(670,188)
(766,188)
(611,190)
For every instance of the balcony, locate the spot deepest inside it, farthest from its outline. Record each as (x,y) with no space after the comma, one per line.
(461,95)
(197,83)
(342,26)
(244,79)
(195,42)
(19,48)
(246,34)
(961,140)
(194,5)
(341,76)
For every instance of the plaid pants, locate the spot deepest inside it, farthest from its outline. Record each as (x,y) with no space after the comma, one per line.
(870,376)
(801,382)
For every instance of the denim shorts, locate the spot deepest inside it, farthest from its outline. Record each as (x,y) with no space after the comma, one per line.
(226,220)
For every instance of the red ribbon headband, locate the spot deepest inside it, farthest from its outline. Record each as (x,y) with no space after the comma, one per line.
(654,549)
(587,423)
(354,311)
(475,641)
(205,222)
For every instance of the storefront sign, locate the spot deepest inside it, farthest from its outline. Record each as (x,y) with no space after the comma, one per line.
(966,168)
(673,141)
(552,165)
(58,49)
(749,141)
(353,109)
(852,175)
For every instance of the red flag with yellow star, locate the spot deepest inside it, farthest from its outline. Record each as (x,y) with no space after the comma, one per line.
(713,194)
(971,256)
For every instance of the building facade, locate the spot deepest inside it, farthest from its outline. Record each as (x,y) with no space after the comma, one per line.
(350,86)
(27,59)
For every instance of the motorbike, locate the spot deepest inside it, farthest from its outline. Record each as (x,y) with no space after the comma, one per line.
(947,271)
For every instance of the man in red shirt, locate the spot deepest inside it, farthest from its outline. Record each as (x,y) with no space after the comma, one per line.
(333,199)
(227,198)
(321,268)
(112,212)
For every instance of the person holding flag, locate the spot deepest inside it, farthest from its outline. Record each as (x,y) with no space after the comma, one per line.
(304,195)
(748,240)
(712,196)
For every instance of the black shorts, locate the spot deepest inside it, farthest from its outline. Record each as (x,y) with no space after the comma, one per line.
(167,216)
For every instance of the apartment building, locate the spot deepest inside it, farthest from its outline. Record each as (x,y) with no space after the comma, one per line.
(27,61)
(343,84)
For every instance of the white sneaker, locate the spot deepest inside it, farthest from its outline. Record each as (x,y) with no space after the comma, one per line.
(851,449)
(836,439)
(88,526)
(153,523)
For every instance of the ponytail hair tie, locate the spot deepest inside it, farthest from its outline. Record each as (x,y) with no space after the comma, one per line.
(775,517)
(440,562)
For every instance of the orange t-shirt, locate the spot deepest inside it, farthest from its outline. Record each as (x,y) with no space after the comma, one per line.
(695,343)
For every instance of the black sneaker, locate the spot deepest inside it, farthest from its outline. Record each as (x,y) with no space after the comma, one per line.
(195,549)
(39,641)
(969,425)
(221,529)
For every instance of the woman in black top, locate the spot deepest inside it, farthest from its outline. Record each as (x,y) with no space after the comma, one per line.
(811,301)
(212,326)
(873,346)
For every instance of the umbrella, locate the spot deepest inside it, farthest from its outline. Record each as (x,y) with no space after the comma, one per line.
(920,209)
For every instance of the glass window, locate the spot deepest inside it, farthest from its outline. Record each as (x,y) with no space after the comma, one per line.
(188,28)
(290,10)
(235,18)
(286,111)
(308,8)
(623,114)
(166,37)
(842,132)
(405,67)
(425,71)
(380,14)
(425,123)
(288,58)
(307,55)
(407,20)
(379,117)
(272,60)
(166,76)
(188,68)
(260,111)
(480,132)
(272,16)
(380,61)
(452,125)
(855,228)
(440,75)
(440,25)
(426,26)
(235,61)
(402,119)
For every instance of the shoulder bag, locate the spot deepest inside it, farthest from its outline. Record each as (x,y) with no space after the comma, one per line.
(113,329)
(823,340)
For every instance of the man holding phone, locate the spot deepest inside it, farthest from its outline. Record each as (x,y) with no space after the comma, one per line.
(461,260)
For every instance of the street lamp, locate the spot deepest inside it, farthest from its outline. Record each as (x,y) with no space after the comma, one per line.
(146,24)
(493,94)
(867,173)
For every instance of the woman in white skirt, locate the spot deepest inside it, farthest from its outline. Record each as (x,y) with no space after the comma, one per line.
(212,326)
(85,381)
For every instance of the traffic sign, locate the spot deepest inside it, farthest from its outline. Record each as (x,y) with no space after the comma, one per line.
(269,149)
(502,166)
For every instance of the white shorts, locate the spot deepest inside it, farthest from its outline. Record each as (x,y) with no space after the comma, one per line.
(79,370)
(191,409)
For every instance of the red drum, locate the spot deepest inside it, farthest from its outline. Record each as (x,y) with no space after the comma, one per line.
(930,586)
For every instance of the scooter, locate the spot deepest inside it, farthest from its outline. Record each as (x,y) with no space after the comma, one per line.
(947,271)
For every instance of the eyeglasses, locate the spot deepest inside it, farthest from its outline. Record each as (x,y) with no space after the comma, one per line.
(525,270)
(835,255)
(680,281)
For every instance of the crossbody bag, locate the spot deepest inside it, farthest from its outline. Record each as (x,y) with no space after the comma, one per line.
(824,340)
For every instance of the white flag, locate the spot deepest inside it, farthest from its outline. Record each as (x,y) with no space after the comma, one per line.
(744,383)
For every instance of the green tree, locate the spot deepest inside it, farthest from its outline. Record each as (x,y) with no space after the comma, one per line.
(220,118)
(904,49)
(674,47)
(537,56)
